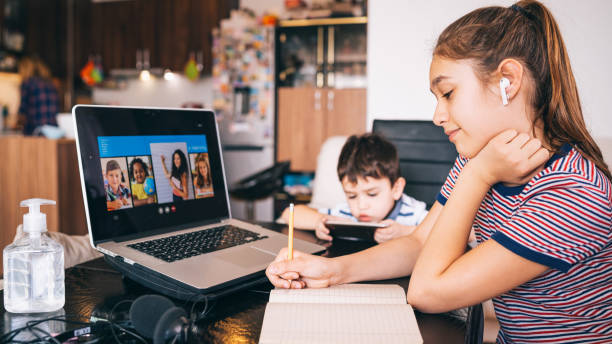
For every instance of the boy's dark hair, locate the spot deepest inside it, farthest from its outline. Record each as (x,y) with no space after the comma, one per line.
(368,155)
(142,163)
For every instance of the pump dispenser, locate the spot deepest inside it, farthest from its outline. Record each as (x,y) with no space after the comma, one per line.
(34,266)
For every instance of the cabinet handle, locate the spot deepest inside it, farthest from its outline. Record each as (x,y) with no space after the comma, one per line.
(330,101)
(320,38)
(330,46)
(317,100)
(320,59)
(319,80)
(330,79)
(330,56)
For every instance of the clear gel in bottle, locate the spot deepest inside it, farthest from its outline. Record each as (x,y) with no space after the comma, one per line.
(34,266)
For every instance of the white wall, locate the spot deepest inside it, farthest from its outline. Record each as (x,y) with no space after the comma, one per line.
(401,36)
(158,92)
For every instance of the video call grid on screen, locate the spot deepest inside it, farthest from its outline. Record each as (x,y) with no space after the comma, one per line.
(143,170)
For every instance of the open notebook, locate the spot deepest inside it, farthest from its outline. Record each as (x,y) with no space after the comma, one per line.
(349,313)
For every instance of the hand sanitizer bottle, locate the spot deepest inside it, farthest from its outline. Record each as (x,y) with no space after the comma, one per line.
(34,266)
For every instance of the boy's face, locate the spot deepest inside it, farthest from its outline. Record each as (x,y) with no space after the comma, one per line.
(371,199)
(114,178)
(139,173)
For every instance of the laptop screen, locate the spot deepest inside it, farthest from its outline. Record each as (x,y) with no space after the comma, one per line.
(149,171)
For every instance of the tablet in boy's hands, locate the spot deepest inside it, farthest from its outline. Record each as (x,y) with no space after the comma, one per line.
(355,231)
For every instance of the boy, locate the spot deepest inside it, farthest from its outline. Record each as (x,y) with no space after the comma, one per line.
(117,195)
(368,169)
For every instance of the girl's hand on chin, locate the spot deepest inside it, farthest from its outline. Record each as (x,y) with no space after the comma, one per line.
(510,157)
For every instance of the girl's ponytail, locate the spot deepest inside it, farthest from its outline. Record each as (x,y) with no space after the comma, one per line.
(561,110)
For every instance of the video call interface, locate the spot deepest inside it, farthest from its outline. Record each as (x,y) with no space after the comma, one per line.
(151,170)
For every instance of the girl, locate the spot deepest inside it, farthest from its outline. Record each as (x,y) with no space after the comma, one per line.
(178,177)
(201,180)
(117,195)
(529,179)
(140,173)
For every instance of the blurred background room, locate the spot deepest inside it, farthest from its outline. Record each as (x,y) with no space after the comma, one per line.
(283,76)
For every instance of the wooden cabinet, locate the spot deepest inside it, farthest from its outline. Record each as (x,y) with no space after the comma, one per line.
(308,116)
(169,29)
(41,168)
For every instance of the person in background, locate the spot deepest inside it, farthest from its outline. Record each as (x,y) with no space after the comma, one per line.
(39,99)
(529,179)
(369,171)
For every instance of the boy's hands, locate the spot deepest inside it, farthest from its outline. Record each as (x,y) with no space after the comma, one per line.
(393,230)
(321,231)
(114,205)
(509,157)
(303,271)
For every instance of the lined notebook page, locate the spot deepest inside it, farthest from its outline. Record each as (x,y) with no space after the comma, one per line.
(339,323)
(344,293)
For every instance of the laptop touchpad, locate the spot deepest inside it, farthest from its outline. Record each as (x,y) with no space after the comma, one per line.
(247,257)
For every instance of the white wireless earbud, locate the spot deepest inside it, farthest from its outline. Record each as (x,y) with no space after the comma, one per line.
(503,83)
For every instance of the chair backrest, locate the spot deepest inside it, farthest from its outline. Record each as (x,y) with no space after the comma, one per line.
(326,189)
(426,156)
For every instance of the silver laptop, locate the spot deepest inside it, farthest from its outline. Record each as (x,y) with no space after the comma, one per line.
(156,197)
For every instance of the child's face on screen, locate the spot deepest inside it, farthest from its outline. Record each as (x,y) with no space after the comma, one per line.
(202,169)
(371,199)
(139,173)
(114,178)
(470,112)
(177,160)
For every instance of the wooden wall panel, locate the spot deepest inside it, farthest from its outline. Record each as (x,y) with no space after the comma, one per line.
(41,168)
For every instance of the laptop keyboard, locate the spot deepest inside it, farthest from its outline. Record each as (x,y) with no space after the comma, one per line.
(191,244)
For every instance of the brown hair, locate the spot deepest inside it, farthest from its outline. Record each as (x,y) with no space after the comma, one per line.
(527,32)
(112,165)
(202,158)
(368,155)
(33,66)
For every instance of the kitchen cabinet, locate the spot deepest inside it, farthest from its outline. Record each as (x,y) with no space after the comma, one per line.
(321,85)
(307,116)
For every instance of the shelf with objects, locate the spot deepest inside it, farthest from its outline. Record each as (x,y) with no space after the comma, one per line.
(321,71)
(243,99)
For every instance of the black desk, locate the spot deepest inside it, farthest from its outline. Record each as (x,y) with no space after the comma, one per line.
(95,287)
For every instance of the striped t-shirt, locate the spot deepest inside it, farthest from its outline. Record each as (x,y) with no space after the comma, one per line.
(407,211)
(562,219)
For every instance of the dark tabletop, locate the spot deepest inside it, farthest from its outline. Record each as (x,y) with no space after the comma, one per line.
(94,288)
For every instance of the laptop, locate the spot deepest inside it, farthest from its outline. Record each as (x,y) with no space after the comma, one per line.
(156,198)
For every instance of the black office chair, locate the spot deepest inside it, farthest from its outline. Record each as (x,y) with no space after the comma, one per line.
(259,185)
(426,156)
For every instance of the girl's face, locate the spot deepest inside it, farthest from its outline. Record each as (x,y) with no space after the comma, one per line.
(139,173)
(470,112)
(114,178)
(177,160)
(202,169)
